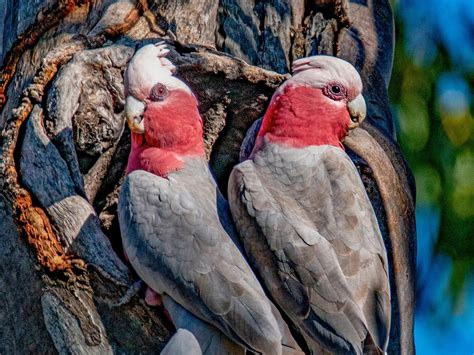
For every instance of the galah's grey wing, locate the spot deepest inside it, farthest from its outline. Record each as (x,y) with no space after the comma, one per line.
(356,238)
(333,197)
(294,266)
(299,265)
(177,246)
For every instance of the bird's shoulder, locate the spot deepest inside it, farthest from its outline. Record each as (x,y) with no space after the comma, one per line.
(321,184)
(170,220)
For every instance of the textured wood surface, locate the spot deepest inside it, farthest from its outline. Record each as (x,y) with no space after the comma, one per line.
(64,147)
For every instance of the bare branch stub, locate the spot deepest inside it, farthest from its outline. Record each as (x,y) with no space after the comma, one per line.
(49,18)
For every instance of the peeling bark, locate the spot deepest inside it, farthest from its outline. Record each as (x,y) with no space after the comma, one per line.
(64,147)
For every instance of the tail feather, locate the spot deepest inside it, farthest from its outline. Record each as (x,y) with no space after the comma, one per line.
(288,342)
(383,318)
(370,348)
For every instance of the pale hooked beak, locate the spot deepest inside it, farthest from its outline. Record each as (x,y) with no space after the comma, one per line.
(357,110)
(134,110)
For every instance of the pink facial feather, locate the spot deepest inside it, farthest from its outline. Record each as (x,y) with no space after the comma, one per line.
(173,130)
(300,116)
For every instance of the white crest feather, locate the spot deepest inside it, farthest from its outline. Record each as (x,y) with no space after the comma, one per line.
(148,67)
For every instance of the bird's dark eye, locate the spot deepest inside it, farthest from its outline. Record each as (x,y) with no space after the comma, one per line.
(335,91)
(159,92)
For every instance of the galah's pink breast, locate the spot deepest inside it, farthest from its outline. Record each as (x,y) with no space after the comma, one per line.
(173,130)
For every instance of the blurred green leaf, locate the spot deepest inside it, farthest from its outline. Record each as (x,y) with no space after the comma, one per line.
(435,131)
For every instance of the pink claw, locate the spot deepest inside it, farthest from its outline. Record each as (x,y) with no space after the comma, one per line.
(152,298)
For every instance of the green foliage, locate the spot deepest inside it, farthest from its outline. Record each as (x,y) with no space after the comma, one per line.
(435,131)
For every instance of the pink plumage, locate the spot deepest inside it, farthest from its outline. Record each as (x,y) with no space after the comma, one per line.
(176,134)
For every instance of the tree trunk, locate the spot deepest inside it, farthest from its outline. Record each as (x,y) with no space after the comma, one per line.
(64,147)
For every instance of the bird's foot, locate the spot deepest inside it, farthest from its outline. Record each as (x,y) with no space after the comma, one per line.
(152,298)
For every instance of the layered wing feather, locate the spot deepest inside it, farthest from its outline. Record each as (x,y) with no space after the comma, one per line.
(182,343)
(309,229)
(174,241)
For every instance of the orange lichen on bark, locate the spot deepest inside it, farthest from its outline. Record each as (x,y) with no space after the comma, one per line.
(32,219)
(40,235)
(150,17)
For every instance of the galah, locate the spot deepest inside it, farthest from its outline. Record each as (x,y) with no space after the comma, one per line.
(173,220)
(303,215)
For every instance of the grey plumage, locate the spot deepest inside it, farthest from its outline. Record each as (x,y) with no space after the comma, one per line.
(309,229)
(175,241)
(211,340)
(182,343)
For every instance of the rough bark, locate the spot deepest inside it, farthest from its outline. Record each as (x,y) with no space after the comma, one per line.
(64,147)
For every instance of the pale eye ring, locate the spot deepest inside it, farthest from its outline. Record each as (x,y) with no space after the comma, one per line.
(335,91)
(159,92)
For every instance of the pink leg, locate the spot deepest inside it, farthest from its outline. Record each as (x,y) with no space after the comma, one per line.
(152,298)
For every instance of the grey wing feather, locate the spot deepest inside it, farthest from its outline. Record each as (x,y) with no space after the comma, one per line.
(364,258)
(178,247)
(182,343)
(287,276)
(211,341)
(306,277)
